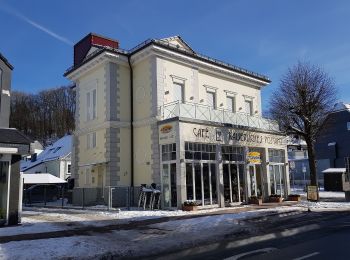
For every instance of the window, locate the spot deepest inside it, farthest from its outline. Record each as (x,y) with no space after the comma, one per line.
(168,152)
(69,168)
(91,140)
(211,99)
(179,94)
(197,151)
(232,153)
(230,102)
(276,156)
(91,105)
(249,107)
(347,167)
(348,125)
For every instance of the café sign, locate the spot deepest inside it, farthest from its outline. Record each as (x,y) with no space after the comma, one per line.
(254,158)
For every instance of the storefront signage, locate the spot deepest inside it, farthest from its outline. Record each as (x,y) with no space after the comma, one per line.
(312,193)
(254,158)
(167,134)
(166,129)
(201,132)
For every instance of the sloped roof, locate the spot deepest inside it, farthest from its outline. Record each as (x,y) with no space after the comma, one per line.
(13,136)
(334,170)
(58,150)
(175,43)
(6,61)
(342,106)
(41,178)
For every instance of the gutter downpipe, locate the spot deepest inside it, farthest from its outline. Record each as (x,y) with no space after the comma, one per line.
(131,123)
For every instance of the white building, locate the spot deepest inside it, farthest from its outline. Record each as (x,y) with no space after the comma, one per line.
(162,113)
(55,159)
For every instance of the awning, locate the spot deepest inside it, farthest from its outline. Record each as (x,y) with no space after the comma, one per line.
(41,178)
(334,170)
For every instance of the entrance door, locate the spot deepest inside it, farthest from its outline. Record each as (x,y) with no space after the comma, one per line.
(4,188)
(255,180)
(201,183)
(233,182)
(277,179)
(169,185)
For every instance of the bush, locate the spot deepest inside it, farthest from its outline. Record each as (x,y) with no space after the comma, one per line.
(191,203)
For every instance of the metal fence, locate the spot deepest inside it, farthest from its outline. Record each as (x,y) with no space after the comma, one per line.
(91,198)
(203,112)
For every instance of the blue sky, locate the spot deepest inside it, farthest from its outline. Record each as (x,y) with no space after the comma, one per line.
(267,36)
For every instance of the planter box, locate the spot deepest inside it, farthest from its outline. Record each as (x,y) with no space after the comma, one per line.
(294,198)
(255,201)
(276,199)
(189,208)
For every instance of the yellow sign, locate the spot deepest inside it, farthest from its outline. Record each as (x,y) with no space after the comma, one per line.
(166,129)
(312,193)
(254,157)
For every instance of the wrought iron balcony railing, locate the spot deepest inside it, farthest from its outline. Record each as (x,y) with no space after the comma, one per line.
(207,113)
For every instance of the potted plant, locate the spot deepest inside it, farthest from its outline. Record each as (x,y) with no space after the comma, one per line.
(275,198)
(190,205)
(255,200)
(2,218)
(294,197)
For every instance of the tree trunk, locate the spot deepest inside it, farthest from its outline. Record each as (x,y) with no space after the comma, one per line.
(312,162)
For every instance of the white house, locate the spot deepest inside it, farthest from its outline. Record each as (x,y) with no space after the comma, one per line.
(162,113)
(55,159)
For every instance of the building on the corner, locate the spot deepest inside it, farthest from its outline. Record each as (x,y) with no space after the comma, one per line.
(55,159)
(162,113)
(332,147)
(13,145)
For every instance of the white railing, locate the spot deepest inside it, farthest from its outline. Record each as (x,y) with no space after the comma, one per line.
(203,112)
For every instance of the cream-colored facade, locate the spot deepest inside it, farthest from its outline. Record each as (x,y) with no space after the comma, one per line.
(126,98)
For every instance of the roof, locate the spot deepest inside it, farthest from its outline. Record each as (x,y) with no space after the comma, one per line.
(6,61)
(341,106)
(41,178)
(58,150)
(334,170)
(13,136)
(167,43)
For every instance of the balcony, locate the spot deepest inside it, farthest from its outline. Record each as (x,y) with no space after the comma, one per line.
(207,113)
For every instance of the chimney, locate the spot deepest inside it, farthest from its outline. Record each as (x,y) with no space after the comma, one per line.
(84,45)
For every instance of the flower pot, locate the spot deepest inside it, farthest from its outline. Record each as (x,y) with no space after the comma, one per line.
(294,198)
(276,199)
(189,208)
(255,201)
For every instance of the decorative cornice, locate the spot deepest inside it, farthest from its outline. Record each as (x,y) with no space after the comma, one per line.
(209,67)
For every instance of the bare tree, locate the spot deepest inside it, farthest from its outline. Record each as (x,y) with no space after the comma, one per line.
(301,103)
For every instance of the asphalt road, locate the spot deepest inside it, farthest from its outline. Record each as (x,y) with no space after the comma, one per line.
(314,235)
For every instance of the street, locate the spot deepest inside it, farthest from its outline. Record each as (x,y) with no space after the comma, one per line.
(309,235)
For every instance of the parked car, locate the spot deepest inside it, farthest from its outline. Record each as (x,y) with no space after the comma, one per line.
(37,193)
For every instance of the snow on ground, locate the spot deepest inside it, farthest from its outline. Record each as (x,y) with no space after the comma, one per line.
(138,241)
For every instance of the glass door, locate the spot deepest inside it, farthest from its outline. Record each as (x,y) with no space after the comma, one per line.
(169,185)
(233,182)
(201,183)
(255,179)
(277,179)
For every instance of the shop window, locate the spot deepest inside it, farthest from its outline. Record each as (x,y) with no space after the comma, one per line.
(276,156)
(168,152)
(198,151)
(232,153)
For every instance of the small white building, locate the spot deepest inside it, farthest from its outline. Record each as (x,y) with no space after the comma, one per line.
(55,159)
